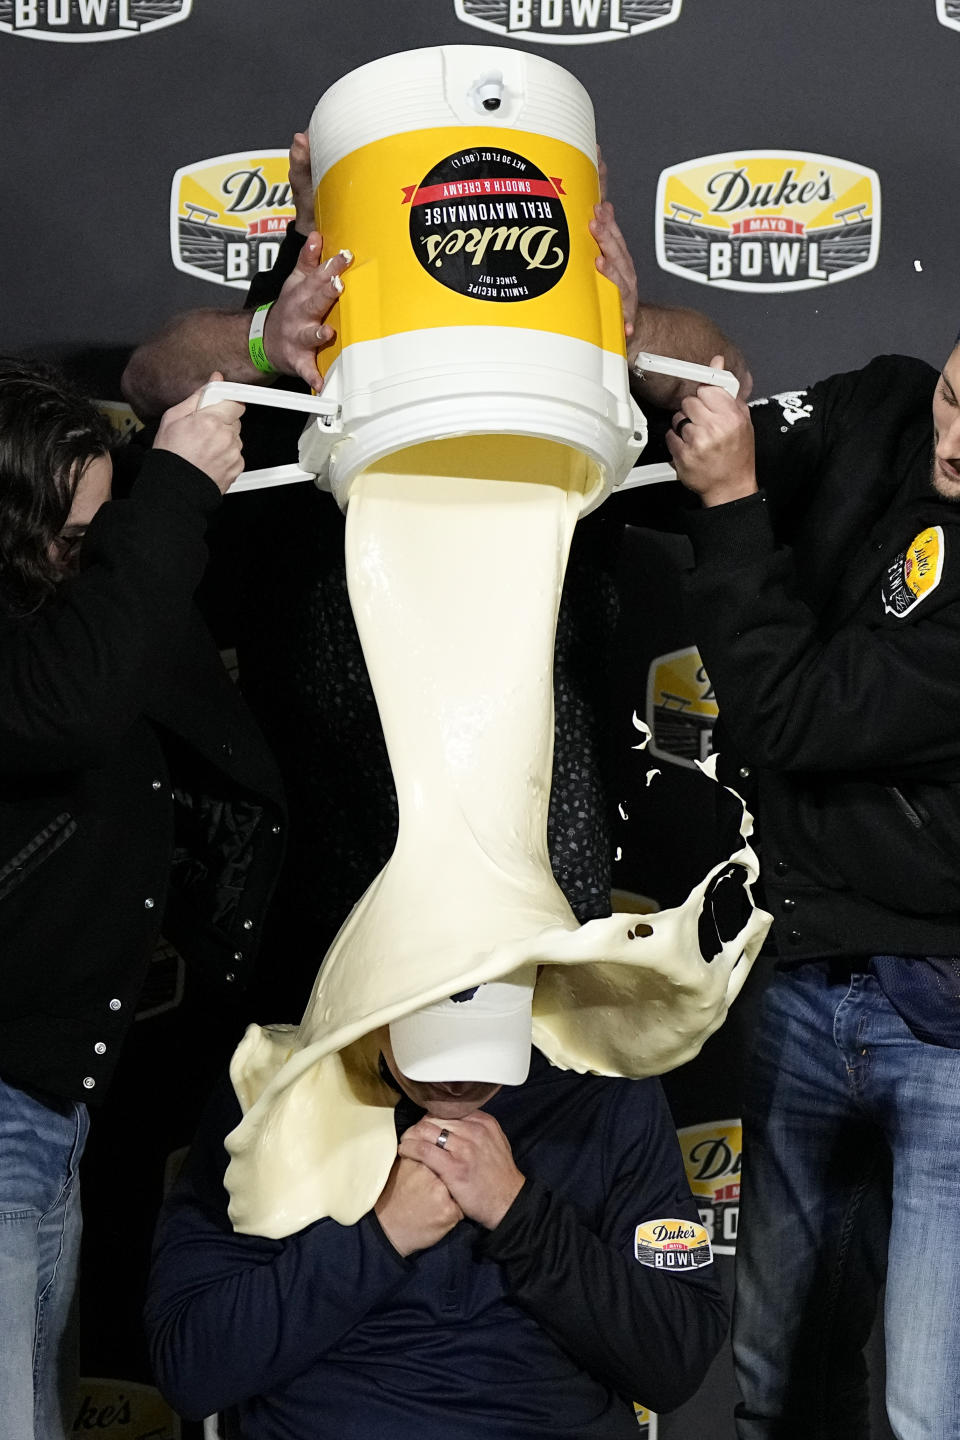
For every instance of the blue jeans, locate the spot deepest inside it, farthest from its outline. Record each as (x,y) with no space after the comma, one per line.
(851,1175)
(40,1149)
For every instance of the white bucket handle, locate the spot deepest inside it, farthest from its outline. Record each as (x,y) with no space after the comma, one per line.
(644,364)
(329,410)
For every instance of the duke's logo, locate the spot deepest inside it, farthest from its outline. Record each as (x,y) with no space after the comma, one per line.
(120,415)
(795,408)
(89,19)
(915,573)
(122,1407)
(711,1154)
(681,708)
(567,22)
(672,1244)
(647,1421)
(228,215)
(489,225)
(948,13)
(768,220)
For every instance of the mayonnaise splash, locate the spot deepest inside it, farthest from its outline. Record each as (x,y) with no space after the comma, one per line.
(456,554)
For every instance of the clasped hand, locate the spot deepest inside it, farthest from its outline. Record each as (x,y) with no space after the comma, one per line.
(431,1188)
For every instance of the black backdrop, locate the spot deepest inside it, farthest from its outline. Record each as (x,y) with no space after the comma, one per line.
(104,102)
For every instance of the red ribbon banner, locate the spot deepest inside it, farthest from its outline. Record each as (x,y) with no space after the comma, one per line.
(481,190)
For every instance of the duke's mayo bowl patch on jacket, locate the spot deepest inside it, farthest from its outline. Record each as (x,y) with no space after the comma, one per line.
(915,573)
(672,1244)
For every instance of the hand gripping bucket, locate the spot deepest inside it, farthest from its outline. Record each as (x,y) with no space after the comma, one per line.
(463,179)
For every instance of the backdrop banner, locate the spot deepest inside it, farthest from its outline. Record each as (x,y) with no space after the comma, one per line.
(764,169)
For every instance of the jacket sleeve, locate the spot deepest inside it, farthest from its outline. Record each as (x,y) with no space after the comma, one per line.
(281,1302)
(798,433)
(74,676)
(267,284)
(649,1333)
(789,428)
(865,698)
(791,436)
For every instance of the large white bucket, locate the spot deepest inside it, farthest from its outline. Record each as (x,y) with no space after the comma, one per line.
(463,179)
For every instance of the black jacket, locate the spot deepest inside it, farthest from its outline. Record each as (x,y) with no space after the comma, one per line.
(125,753)
(837,684)
(552,1324)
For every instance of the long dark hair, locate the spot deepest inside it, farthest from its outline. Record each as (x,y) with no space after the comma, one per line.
(48,433)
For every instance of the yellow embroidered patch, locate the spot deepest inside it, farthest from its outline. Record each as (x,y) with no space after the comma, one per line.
(672,1244)
(915,573)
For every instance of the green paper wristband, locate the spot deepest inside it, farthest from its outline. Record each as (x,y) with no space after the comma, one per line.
(255,343)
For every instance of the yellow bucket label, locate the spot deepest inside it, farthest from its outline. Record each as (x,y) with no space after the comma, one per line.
(489,224)
(451,228)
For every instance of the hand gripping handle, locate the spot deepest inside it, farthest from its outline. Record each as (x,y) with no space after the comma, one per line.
(647,364)
(329,410)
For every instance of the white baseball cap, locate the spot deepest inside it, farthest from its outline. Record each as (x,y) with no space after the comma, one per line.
(479,1034)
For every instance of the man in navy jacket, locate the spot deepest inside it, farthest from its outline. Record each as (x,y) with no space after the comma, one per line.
(534,1264)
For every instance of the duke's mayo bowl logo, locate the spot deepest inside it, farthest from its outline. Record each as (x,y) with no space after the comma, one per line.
(89,19)
(228,215)
(711,1155)
(567,22)
(948,13)
(120,415)
(768,220)
(646,1420)
(915,573)
(123,1407)
(672,1244)
(681,707)
(489,225)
